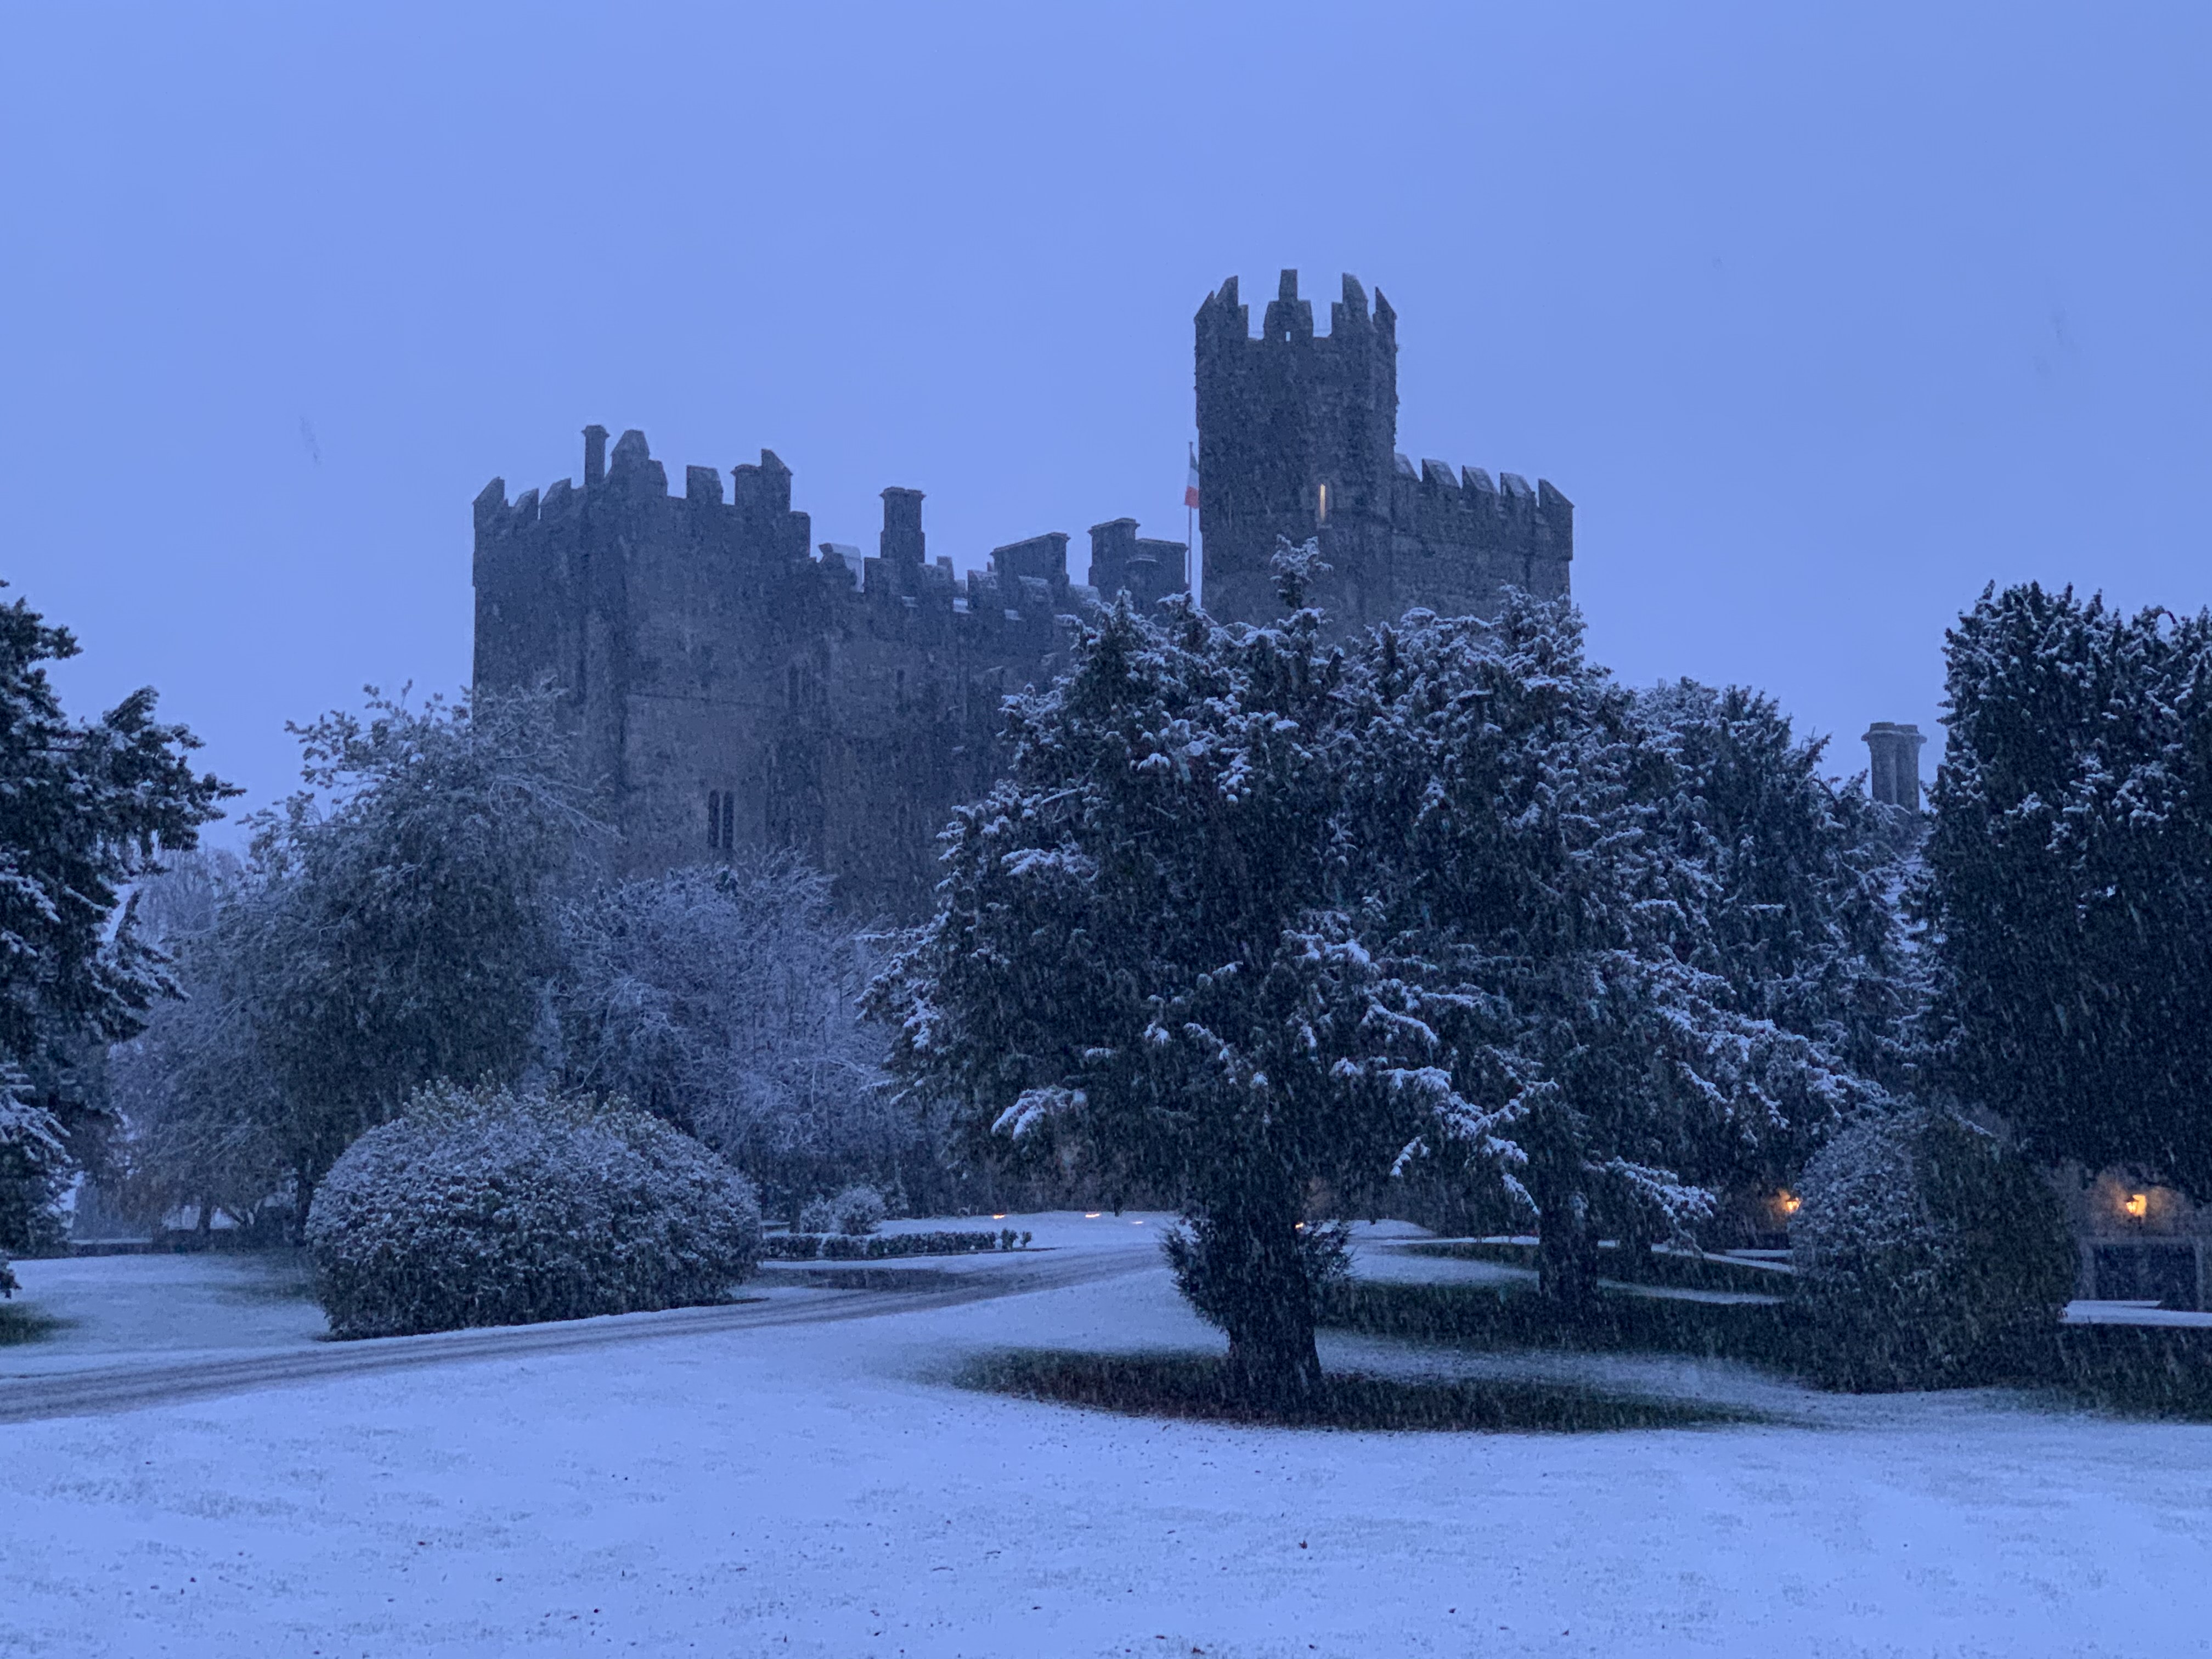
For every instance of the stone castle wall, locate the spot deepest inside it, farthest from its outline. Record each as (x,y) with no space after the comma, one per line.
(731,687)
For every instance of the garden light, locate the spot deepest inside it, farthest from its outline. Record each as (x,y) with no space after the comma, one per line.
(2137,1204)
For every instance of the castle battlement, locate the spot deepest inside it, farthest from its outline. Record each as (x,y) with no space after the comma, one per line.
(1224,321)
(752,534)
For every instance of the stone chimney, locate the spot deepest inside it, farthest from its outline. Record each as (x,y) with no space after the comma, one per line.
(1893,755)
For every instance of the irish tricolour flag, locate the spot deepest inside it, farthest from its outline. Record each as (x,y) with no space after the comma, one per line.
(1190,490)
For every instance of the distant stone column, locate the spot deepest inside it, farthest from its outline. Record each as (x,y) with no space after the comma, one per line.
(1894,770)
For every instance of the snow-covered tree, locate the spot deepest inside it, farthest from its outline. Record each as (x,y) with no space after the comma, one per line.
(402,926)
(199,1108)
(2068,892)
(1801,881)
(725,1000)
(1147,964)
(1254,914)
(85,807)
(1574,889)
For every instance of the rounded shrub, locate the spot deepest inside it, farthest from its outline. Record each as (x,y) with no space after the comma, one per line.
(855,1211)
(1928,1255)
(492,1207)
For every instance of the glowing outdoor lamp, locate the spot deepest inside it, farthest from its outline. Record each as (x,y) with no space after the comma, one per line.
(1788,1202)
(2137,1204)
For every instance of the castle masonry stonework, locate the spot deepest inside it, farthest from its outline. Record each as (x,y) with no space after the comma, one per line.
(731,685)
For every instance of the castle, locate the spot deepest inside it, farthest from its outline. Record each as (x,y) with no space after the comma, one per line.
(736,687)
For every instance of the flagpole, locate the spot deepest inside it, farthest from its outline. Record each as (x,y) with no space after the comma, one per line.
(1190,529)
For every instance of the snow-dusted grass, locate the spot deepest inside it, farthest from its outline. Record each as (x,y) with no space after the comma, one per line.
(107,1307)
(825,1490)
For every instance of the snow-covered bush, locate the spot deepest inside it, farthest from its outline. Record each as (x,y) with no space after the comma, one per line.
(488,1207)
(856,1210)
(1928,1255)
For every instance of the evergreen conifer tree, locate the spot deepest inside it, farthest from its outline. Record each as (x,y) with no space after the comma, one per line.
(2068,886)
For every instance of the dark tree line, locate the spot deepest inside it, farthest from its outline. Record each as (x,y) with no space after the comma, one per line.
(1258,921)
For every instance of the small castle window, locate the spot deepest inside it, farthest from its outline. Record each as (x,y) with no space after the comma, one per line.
(729,820)
(721,819)
(1321,505)
(714,818)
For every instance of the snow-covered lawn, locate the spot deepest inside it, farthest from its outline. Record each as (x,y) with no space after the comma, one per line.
(116,1306)
(825,1490)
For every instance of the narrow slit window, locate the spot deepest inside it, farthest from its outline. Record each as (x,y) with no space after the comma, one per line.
(1321,505)
(729,819)
(714,818)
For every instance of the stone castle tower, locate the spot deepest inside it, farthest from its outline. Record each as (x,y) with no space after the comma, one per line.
(731,686)
(1298,437)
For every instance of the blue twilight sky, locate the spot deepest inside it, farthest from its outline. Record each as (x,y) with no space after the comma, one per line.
(1824,315)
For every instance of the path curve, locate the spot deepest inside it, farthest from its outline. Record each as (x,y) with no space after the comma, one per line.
(843,1294)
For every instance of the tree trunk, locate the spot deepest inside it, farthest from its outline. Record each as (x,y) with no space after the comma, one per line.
(1272,1356)
(1246,1273)
(303,1200)
(1566,1246)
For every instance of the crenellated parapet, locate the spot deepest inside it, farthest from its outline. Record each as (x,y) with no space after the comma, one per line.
(541,559)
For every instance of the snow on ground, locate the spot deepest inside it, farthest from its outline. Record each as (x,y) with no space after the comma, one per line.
(824,1490)
(116,1306)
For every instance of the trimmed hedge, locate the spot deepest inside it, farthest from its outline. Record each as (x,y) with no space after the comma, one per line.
(488,1207)
(844,1246)
(1484,1317)
(1634,1264)
(2165,1371)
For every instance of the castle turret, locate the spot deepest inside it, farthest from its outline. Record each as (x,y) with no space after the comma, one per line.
(1298,436)
(902,542)
(1295,433)
(1894,768)
(1146,569)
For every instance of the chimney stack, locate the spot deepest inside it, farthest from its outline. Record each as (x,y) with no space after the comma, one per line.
(1894,770)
